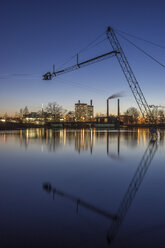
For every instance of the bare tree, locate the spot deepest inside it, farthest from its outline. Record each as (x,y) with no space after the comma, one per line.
(161,115)
(133,112)
(55,110)
(155,112)
(158,113)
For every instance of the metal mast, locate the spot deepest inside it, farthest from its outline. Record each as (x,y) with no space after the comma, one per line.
(131,79)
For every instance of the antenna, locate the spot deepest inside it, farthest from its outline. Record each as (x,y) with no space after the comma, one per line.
(54,69)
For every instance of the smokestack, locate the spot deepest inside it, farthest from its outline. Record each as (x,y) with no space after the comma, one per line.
(118,108)
(91,102)
(79,101)
(108,107)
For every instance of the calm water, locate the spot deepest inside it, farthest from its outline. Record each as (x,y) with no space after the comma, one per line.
(72,189)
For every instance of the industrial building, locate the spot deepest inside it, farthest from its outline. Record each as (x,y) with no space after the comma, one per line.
(83,111)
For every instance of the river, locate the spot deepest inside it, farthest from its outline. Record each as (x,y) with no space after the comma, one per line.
(82,188)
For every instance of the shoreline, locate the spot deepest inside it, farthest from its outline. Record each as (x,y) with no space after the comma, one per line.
(9,126)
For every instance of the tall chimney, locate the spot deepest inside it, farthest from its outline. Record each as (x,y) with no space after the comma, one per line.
(107,107)
(118,108)
(79,101)
(91,102)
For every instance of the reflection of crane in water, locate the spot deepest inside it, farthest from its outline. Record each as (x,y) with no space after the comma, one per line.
(133,188)
(117,219)
(112,155)
(78,201)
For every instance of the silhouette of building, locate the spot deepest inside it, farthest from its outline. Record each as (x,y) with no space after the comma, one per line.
(83,112)
(90,111)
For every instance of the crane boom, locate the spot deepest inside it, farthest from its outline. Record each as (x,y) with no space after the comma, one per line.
(130,77)
(49,76)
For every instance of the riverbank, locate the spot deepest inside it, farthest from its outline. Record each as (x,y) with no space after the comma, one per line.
(17,126)
(68,125)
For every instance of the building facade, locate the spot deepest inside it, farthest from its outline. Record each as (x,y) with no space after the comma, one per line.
(83,111)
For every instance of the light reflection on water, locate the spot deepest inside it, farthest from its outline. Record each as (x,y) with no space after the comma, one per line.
(83,139)
(90,167)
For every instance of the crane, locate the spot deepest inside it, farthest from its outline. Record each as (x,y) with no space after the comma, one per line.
(129,75)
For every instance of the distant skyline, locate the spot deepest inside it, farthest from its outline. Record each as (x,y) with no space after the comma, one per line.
(37,34)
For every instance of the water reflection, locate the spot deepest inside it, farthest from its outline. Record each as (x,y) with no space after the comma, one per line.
(133,188)
(97,171)
(118,218)
(48,188)
(82,140)
(109,153)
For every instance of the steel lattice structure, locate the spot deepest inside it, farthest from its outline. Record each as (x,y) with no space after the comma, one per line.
(78,65)
(130,77)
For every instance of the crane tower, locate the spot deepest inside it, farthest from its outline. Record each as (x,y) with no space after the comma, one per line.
(130,77)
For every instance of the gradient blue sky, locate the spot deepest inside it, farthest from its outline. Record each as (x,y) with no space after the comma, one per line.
(37,33)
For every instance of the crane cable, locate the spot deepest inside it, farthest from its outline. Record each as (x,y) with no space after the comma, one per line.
(84,49)
(80,85)
(139,38)
(140,49)
(92,42)
(72,57)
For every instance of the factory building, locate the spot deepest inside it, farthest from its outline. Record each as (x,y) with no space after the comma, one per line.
(83,111)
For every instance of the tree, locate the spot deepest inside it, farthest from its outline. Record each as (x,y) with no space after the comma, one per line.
(99,114)
(155,112)
(133,112)
(161,115)
(55,110)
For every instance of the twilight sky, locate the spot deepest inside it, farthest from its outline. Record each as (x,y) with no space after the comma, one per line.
(37,33)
